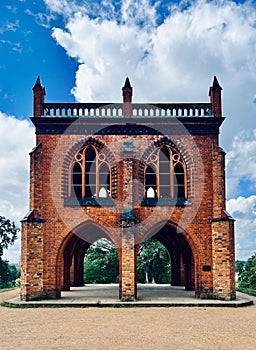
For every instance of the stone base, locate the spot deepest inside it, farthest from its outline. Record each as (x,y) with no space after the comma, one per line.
(54,294)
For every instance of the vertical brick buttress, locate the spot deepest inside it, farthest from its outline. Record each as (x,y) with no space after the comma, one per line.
(223,247)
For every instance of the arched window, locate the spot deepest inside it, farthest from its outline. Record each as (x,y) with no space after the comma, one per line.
(150,182)
(104,177)
(179,181)
(77,180)
(165,174)
(90,174)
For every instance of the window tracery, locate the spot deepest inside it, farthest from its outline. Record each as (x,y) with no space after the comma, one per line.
(90,174)
(165,174)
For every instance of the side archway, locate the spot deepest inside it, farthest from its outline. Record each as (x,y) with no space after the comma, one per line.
(70,261)
(183,252)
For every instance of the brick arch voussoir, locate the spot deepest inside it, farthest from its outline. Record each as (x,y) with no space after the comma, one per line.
(178,146)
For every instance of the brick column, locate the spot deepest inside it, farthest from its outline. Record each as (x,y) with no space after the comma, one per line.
(223,246)
(219,190)
(223,258)
(128,265)
(31,259)
(128,270)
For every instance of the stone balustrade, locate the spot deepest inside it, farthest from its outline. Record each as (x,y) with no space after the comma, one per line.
(115,110)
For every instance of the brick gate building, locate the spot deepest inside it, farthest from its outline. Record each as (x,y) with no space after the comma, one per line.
(127,172)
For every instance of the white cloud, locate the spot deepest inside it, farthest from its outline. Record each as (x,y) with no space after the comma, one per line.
(241,161)
(172,60)
(244,211)
(9,26)
(64,7)
(16,141)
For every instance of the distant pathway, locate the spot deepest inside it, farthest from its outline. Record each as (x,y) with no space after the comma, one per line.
(9,294)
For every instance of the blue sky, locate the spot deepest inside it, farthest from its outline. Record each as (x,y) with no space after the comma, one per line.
(27,49)
(83,50)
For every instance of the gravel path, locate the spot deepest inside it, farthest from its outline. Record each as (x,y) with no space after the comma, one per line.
(127,328)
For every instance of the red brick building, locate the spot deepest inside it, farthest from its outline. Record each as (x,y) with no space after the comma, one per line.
(127,172)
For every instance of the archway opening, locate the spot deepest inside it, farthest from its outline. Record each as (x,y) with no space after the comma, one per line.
(153,263)
(88,256)
(101,263)
(176,267)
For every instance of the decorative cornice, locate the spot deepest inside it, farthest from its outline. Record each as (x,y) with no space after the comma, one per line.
(136,126)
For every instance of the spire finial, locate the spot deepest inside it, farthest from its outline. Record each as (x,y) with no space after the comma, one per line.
(38,81)
(127,83)
(216,83)
(39,93)
(215,97)
(127,98)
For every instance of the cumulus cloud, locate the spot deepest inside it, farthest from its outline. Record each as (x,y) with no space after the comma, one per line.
(16,141)
(170,57)
(244,211)
(241,162)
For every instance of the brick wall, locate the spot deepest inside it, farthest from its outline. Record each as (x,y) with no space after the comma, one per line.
(199,235)
(43,243)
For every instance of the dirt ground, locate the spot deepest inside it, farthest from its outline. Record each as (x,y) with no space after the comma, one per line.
(127,328)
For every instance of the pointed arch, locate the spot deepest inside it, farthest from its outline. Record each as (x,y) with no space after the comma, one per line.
(88,167)
(165,171)
(150,181)
(73,249)
(90,171)
(184,249)
(104,178)
(181,168)
(179,180)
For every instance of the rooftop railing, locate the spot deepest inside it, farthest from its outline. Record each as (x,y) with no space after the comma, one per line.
(115,110)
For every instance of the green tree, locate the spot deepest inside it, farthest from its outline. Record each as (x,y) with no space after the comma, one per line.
(8,235)
(153,251)
(8,274)
(246,271)
(101,263)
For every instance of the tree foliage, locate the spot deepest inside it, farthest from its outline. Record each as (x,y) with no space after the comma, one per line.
(101,263)
(8,234)
(154,252)
(246,271)
(8,274)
